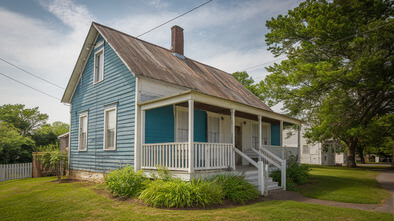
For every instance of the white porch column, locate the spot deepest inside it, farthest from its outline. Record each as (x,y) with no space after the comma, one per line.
(260,134)
(299,143)
(281,139)
(137,139)
(233,135)
(191,133)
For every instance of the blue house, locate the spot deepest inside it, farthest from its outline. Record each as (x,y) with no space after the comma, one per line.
(133,102)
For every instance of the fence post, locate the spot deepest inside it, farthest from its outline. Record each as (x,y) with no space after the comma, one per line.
(283,174)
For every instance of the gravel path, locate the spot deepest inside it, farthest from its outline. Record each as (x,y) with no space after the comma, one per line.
(386,180)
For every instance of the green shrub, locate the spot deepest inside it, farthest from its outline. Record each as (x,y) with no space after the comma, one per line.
(236,188)
(295,175)
(125,182)
(162,174)
(178,193)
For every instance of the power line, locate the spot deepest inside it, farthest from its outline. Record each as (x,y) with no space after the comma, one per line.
(175,18)
(31,73)
(29,86)
(329,43)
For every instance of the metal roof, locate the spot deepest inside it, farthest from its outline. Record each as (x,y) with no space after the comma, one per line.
(151,61)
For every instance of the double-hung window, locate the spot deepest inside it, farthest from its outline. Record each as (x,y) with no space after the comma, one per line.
(255,136)
(98,66)
(83,132)
(110,129)
(182,125)
(213,129)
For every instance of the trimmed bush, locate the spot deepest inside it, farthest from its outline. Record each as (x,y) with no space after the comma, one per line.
(295,175)
(177,193)
(236,188)
(125,182)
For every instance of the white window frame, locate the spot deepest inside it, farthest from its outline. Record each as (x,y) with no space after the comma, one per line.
(101,68)
(82,115)
(177,133)
(113,108)
(214,115)
(268,129)
(255,139)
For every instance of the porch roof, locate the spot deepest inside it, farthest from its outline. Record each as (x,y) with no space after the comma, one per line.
(219,105)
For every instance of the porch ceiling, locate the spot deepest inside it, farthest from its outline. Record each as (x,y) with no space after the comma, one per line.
(216,105)
(226,111)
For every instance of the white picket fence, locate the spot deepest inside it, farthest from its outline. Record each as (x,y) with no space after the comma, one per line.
(15,171)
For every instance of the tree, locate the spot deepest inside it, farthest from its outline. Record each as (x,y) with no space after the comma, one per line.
(25,119)
(47,134)
(14,148)
(248,82)
(338,71)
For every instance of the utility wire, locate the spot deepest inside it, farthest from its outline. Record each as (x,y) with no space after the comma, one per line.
(174,18)
(29,86)
(31,73)
(318,46)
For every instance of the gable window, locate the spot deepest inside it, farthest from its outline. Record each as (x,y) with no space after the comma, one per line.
(213,129)
(110,129)
(98,66)
(83,132)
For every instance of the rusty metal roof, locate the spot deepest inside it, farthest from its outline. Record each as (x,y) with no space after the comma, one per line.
(148,60)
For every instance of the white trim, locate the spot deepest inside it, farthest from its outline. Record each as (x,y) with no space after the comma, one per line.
(98,44)
(176,123)
(81,115)
(137,128)
(112,108)
(100,51)
(191,135)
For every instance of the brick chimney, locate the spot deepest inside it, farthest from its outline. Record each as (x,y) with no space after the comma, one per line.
(177,39)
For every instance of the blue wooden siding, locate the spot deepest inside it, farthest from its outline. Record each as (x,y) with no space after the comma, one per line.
(200,126)
(275,134)
(159,125)
(117,88)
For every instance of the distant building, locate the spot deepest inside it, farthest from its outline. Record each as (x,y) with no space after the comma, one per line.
(64,142)
(316,153)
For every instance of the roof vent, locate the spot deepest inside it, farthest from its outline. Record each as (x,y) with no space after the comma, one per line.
(177,40)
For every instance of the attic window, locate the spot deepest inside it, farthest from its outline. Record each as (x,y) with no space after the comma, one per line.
(98,66)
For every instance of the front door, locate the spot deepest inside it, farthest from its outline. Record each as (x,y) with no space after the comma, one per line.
(238,144)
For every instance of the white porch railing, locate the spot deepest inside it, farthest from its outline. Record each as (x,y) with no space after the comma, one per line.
(208,156)
(175,156)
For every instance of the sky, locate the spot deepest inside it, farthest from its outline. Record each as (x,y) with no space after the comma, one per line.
(45,37)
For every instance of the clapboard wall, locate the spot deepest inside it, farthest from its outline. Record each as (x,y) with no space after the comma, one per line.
(117,88)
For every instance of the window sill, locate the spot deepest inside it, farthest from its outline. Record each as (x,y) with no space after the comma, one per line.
(112,149)
(94,83)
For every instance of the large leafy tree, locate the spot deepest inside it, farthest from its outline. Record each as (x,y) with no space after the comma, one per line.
(338,75)
(24,119)
(47,134)
(14,148)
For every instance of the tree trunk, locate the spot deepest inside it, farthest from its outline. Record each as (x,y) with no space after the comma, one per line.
(351,153)
(360,151)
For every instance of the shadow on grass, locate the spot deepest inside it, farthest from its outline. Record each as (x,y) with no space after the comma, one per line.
(343,186)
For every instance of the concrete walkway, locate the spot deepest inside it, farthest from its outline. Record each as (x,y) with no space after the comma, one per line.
(386,180)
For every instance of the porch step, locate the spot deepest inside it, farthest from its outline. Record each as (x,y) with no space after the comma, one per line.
(252,178)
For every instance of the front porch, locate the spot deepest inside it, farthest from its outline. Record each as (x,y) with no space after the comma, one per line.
(196,135)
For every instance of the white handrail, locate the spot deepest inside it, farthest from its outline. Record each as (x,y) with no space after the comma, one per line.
(270,153)
(267,158)
(246,157)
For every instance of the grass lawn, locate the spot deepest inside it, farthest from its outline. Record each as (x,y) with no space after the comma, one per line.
(42,199)
(352,185)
